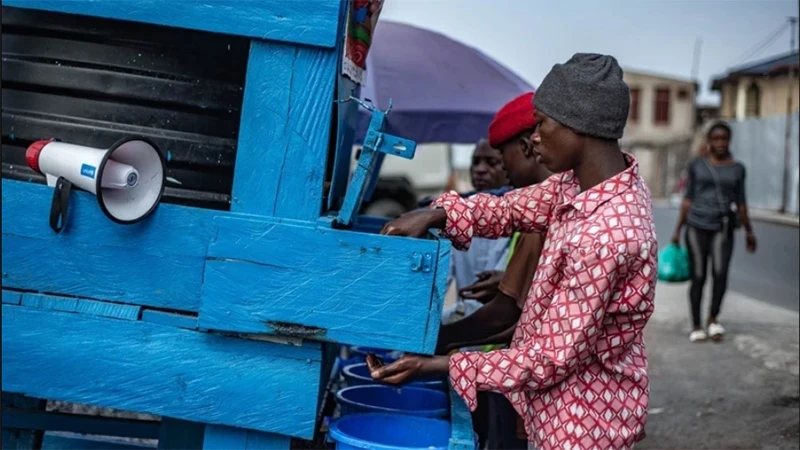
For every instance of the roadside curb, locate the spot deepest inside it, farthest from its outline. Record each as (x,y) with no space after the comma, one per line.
(757,215)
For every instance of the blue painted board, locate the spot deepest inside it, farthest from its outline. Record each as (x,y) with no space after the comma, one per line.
(12,298)
(186,321)
(311,22)
(226,438)
(283,136)
(79,423)
(462,436)
(166,371)
(355,288)
(81,306)
(441,278)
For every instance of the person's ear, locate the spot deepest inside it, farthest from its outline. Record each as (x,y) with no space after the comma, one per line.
(527,147)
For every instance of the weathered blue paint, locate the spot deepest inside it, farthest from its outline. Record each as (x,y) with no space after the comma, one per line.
(345,135)
(144,367)
(439,291)
(12,298)
(261,272)
(311,22)
(283,136)
(186,321)
(375,143)
(78,423)
(81,306)
(226,438)
(462,436)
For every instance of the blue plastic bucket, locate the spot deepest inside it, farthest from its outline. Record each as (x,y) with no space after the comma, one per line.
(389,432)
(377,398)
(358,375)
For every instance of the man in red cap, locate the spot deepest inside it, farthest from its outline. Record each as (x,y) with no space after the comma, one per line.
(509,132)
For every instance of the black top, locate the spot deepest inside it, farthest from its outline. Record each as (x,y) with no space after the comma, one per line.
(707,207)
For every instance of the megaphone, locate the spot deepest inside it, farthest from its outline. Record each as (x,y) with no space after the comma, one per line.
(128,178)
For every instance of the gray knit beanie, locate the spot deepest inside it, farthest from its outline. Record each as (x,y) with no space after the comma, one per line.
(586,94)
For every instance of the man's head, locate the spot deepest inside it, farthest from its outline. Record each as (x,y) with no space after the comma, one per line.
(579,103)
(510,132)
(486,170)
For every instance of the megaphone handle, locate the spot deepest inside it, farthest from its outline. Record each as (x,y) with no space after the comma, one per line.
(60,205)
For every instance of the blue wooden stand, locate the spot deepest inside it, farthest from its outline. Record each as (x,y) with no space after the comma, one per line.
(220,322)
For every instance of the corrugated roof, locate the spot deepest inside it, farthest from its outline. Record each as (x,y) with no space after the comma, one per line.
(762,67)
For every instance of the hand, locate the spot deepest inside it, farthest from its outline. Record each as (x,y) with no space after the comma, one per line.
(410,367)
(415,223)
(676,238)
(751,242)
(485,288)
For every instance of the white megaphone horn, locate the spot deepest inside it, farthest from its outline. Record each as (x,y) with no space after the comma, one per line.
(128,178)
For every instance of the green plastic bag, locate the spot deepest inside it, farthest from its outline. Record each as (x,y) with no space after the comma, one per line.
(673,264)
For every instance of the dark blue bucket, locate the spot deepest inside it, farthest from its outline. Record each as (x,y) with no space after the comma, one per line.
(377,398)
(358,375)
(389,432)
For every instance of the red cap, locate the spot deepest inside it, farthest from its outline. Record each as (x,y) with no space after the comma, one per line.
(513,118)
(32,154)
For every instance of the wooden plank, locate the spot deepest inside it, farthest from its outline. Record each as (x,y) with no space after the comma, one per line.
(158,262)
(186,321)
(166,371)
(309,127)
(343,283)
(311,22)
(283,136)
(17,438)
(441,266)
(79,423)
(11,297)
(226,438)
(178,434)
(102,272)
(462,437)
(81,306)
(171,230)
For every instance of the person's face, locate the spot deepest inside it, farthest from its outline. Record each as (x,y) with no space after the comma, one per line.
(487,170)
(520,162)
(555,146)
(719,141)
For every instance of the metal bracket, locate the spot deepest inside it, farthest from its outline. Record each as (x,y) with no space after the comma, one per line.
(376,143)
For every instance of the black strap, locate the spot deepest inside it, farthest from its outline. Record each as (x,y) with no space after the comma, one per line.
(60,205)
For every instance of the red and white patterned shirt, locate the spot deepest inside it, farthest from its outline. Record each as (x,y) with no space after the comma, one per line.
(576,370)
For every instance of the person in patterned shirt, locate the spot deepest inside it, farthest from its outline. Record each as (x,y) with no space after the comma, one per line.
(576,370)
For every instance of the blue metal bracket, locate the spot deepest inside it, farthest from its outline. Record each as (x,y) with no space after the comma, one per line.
(376,144)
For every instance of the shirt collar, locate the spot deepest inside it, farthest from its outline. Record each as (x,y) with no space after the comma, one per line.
(587,202)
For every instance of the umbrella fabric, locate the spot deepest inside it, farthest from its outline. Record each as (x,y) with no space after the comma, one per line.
(441,89)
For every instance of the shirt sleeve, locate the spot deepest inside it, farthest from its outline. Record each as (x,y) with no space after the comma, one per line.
(582,307)
(741,198)
(527,209)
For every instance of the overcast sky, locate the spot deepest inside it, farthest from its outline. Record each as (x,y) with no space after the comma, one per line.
(530,36)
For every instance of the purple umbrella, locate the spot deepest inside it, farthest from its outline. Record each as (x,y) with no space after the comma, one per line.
(442,90)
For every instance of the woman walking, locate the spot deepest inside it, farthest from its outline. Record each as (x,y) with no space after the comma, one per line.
(715,184)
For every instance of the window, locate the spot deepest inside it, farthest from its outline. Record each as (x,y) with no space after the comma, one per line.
(683,94)
(634,113)
(752,101)
(662,107)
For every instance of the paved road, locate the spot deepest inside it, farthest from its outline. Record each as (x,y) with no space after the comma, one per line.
(771,274)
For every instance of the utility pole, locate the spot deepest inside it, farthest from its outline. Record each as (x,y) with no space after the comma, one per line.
(787,149)
(698,45)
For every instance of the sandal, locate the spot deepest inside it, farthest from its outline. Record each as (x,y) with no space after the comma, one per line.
(698,336)
(716,331)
